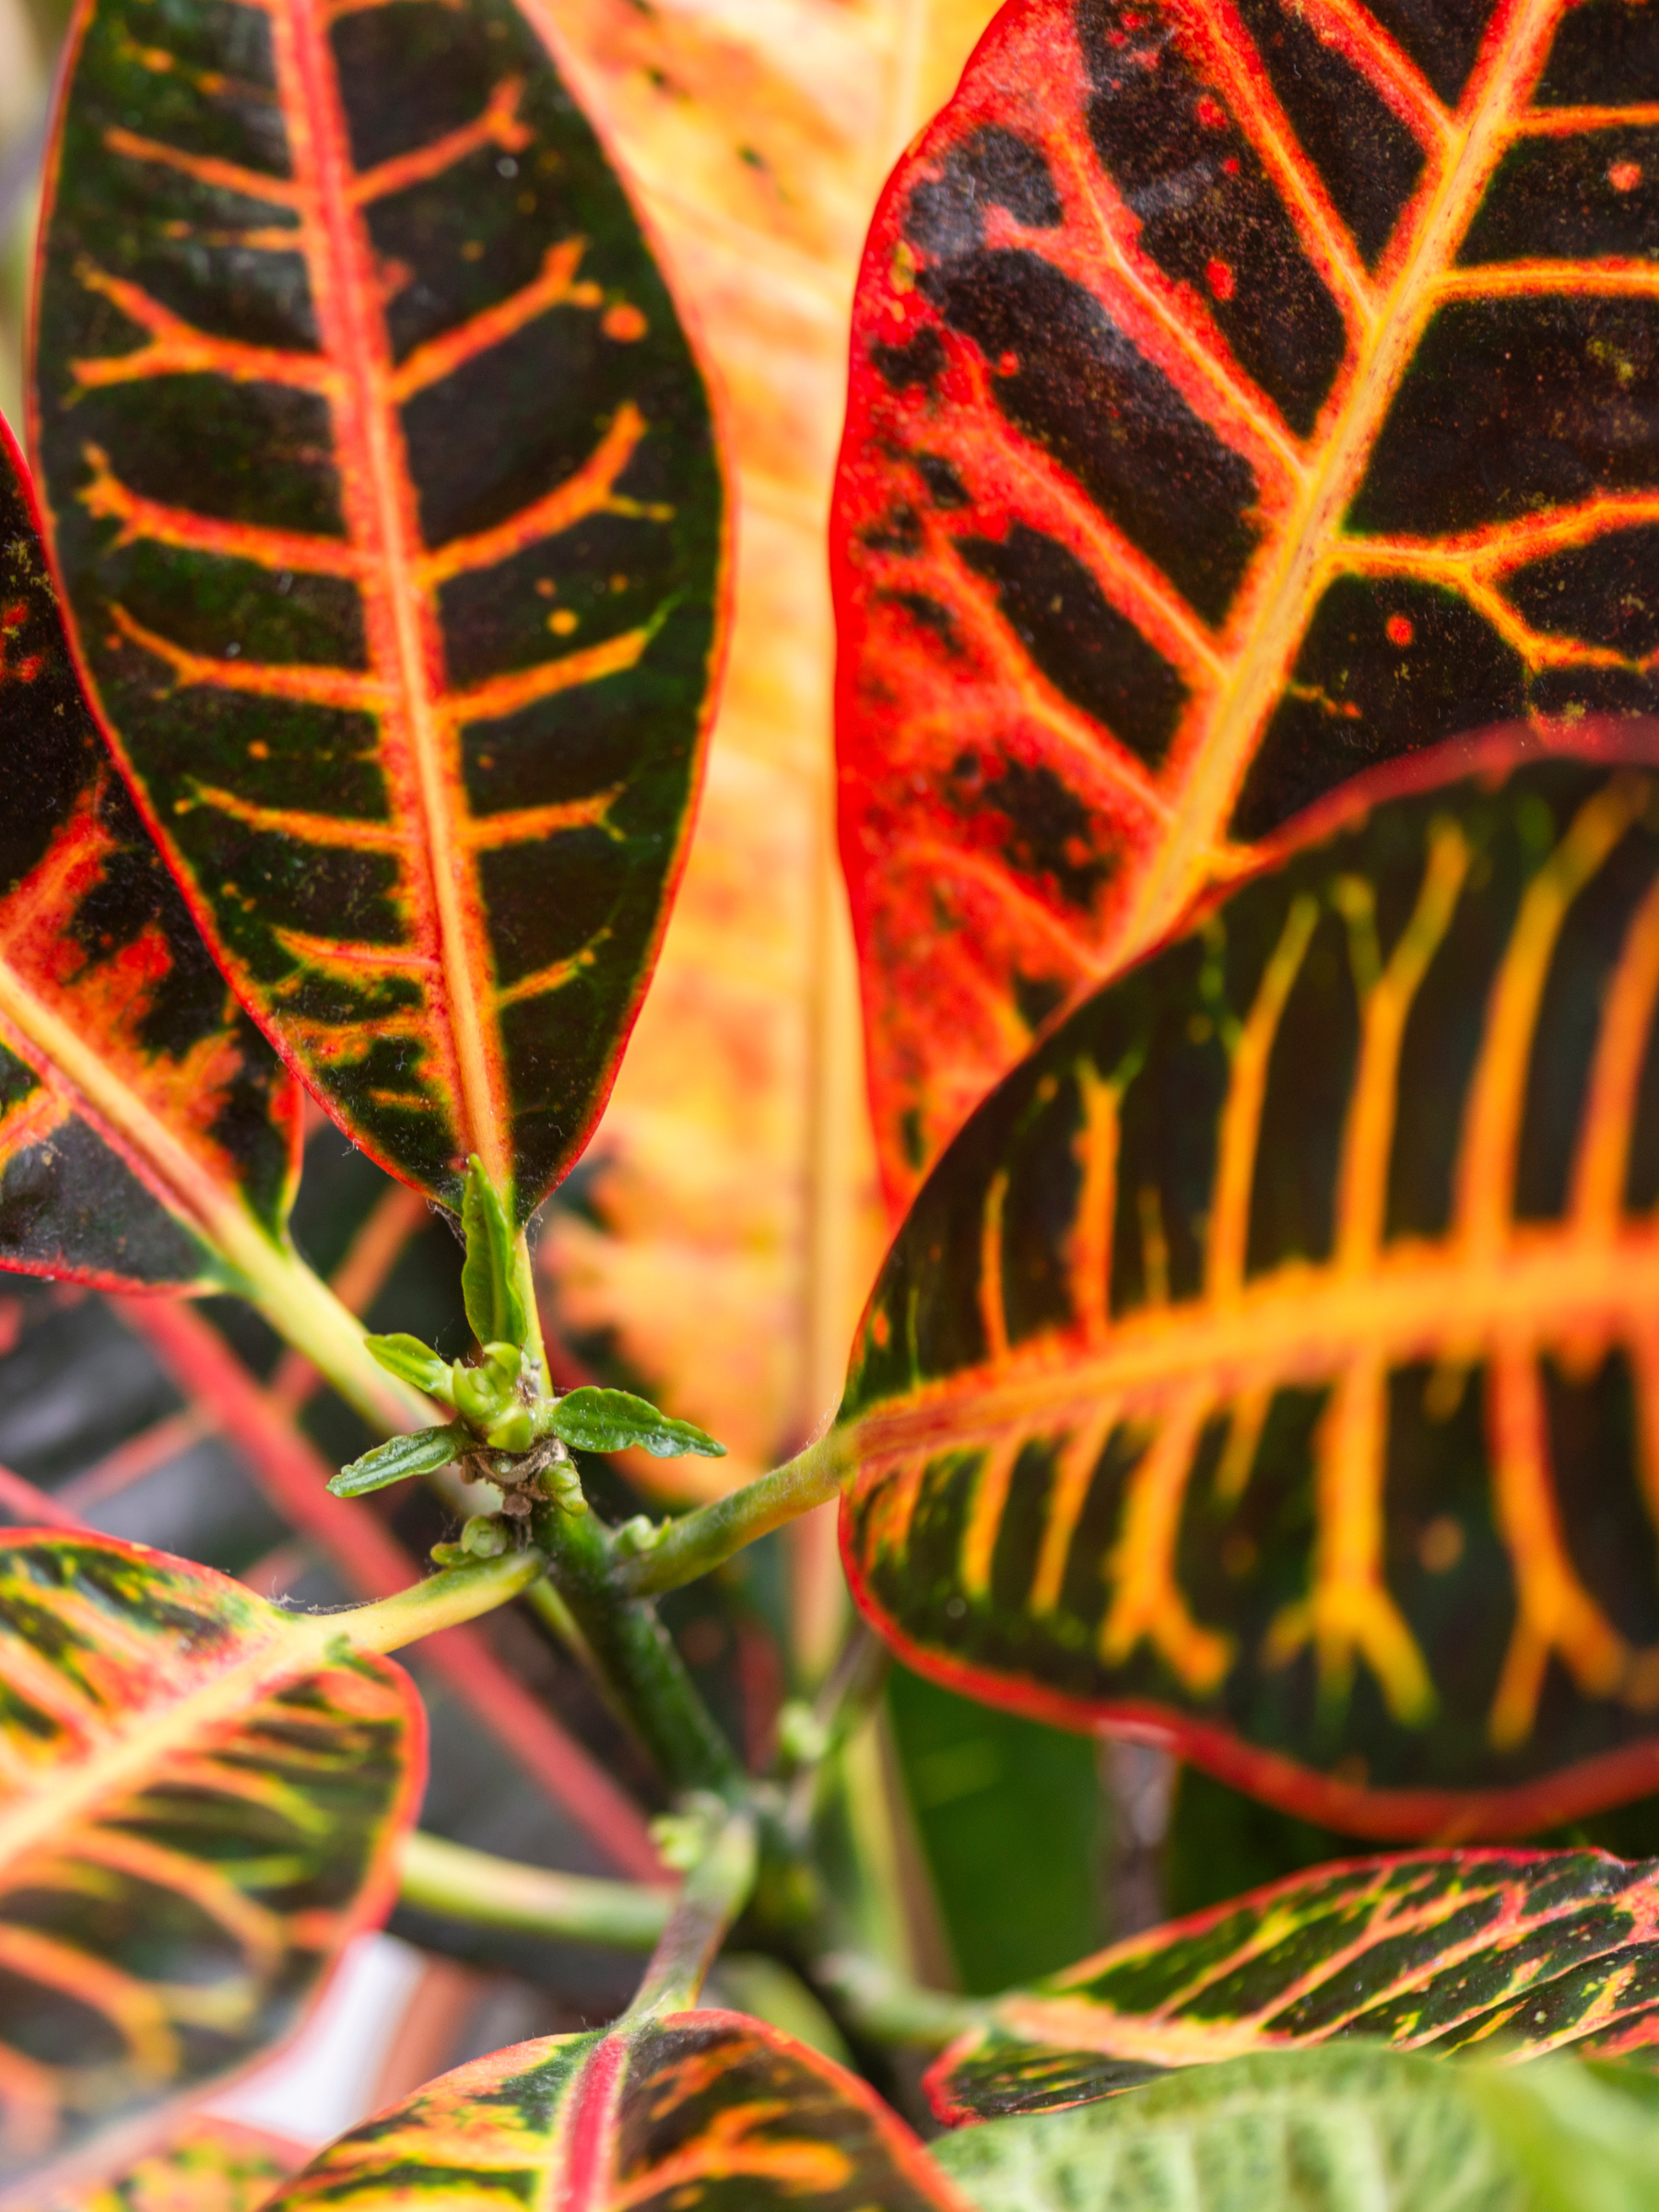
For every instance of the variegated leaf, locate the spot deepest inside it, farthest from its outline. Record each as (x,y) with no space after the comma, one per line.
(382,486)
(1270,1365)
(1243,393)
(145,1123)
(710,2109)
(1515,1954)
(208,2166)
(201,1798)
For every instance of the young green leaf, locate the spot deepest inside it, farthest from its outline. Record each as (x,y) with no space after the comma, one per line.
(1269,1353)
(1360,2130)
(709,2108)
(421,1452)
(1436,1950)
(202,1805)
(489,1276)
(399,594)
(1164,509)
(412,1361)
(146,1126)
(613,1421)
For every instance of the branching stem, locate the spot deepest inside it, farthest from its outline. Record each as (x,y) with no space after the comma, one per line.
(716,1890)
(701,1540)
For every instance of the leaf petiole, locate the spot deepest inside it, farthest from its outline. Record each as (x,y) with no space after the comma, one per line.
(701,1540)
(716,1890)
(474,1885)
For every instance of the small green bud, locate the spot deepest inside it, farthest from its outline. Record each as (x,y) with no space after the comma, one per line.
(641,1534)
(511,1432)
(484,1537)
(477,1394)
(449,1554)
(564,1485)
(803,1739)
(506,1360)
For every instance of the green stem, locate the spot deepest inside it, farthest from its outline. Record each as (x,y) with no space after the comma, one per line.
(441,1601)
(305,1312)
(699,1540)
(502,1893)
(716,1890)
(891,2008)
(635,1655)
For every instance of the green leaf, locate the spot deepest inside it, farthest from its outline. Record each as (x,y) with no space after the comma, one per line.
(402,597)
(592,1419)
(201,1803)
(146,1126)
(422,1452)
(489,1276)
(412,1361)
(705,2108)
(1357,2130)
(1440,1950)
(1004,1810)
(1268,1354)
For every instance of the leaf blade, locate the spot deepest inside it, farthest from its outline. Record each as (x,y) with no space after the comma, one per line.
(1131,563)
(368,862)
(751,2115)
(1437,1952)
(141,1107)
(205,1784)
(1145,1399)
(595,1419)
(422,1452)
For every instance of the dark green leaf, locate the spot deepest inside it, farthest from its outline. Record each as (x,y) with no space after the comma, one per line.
(1009,1814)
(423,1453)
(146,1126)
(591,1420)
(1270,1353)
(384,489)
(1441,1950)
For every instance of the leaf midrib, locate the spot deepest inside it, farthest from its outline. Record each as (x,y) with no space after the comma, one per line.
(1302,1324)
(1295,575)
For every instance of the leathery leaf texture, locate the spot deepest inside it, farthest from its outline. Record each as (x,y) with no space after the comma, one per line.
(1507,1954)
(1241,394)
(1271,1359)
(137,1101)
(205,2166)
(381,482)
(706,2108)
(200,1804)
(1327,2131)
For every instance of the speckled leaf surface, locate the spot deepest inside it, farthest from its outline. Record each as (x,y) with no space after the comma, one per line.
(1513,1954)
(382,486)
(1269,1363)
(207,2166)
(199,1805)
(1242,394)
(137,1101)
(705,2108)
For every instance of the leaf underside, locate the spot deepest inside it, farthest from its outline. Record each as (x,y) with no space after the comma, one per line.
(1328,2131)
(383,485)
(1240,396)
(705,2107)
(97,944)
(1521,1953)
(1272,1359)
(178,1912)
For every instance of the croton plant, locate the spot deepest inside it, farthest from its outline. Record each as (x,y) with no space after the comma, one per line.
(1246,551)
